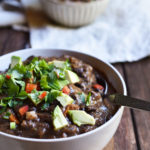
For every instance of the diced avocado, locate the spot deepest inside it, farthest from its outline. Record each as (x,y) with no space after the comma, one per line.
(58,64)
(12,125)
(64,99)
(62,83)
(34,97)
(50,62)
(59,121)
(80,117)
(15,60)
(71,76)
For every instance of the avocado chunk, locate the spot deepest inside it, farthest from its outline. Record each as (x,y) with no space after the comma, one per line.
(15,60)
(64,99)
(34,97)
(80,117)
(59,121)
(58,64)
(71,76)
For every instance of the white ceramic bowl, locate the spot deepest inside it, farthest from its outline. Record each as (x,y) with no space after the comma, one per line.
(74,14)
(93,140)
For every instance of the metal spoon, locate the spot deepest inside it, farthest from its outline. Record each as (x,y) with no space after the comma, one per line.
(119,99)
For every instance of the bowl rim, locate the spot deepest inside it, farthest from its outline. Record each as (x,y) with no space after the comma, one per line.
(77,136)
(72,3)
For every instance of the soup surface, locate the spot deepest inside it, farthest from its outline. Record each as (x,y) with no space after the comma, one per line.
(52,98)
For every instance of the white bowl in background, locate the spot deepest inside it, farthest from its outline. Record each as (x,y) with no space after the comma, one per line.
(74,14)
(92,140)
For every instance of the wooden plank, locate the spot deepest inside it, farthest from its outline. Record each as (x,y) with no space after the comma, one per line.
(138,78)
(11,40)
(110,145)
(124,138)
(3,38)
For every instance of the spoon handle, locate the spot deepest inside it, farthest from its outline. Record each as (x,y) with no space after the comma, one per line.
(120,99)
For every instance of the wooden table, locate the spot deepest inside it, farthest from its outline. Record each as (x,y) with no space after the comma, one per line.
(134,130)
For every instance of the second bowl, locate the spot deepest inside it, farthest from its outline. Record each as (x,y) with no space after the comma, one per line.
(74,13)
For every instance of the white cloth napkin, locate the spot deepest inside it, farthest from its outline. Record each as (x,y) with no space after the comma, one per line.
(8,18)
(121,34)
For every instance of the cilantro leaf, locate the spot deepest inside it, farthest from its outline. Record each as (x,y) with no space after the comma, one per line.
(21,84)
(22,95)
(28,74)
(52,76)
(16,74)
(43,64)
(67,65)
(45,106)
(12,87)
(60,73)
(52,95)
(6,115)
(58,84)
(13,103)
(2,80)
(2,109)
(4,101)
(50,67)
(44,83)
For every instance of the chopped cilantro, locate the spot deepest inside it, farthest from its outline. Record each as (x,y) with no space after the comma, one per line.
(45,106)
(6,115)
(52,95)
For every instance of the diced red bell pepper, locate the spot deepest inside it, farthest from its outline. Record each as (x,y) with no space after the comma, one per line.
(23,110)
(12,118)
(30,87)
(98,86)
(8,76)
(42,95)
(66,90)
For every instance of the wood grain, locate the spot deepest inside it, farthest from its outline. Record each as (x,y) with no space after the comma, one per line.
(11,40)
(110,145)
(138,78)
(124,138)
(4,34)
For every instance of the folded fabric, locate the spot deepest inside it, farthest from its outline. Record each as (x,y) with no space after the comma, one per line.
(8,18)
(121,34)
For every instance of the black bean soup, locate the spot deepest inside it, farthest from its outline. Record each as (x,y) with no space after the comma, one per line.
(52,98)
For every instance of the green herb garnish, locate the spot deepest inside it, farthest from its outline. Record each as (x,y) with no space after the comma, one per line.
(88,99)
(6,115)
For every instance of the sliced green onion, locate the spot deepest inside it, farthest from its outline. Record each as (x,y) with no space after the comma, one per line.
(12,125)
(88,99)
